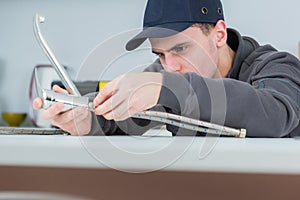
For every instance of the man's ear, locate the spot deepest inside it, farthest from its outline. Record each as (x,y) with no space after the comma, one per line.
(220,33)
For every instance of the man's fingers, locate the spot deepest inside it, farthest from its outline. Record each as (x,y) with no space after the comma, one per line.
(58,89)
(38,103)
(106,92)
(52,111)
(77,114)
(109,105)
(76,121)
(121,112)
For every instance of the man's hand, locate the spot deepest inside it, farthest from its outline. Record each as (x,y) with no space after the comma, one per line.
(76,121)
(128,94)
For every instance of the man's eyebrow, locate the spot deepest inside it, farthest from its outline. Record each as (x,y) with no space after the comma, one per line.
(171,49)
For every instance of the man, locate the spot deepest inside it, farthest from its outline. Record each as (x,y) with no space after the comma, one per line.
(209,73)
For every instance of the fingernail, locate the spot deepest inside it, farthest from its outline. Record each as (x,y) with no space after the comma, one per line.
(95,101)
(97,111)
(37,104)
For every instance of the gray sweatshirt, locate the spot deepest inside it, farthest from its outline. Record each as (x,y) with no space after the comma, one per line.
(260,94)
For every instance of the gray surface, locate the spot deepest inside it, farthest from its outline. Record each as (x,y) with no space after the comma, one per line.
(17,195)
(144,154)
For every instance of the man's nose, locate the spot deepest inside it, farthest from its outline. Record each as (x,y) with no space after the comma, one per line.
(171,62)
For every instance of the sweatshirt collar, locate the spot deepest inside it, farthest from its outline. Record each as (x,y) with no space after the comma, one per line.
(243,47)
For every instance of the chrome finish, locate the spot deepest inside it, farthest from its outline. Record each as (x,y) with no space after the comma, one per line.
(66,80)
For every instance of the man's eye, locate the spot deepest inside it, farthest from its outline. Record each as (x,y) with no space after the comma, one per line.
(180,49)
(160,55)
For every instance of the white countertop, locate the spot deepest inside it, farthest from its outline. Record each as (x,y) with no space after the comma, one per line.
(144,154)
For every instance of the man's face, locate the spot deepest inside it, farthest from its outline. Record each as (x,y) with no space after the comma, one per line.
(188,51)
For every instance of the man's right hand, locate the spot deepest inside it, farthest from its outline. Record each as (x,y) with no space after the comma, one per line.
(77,121)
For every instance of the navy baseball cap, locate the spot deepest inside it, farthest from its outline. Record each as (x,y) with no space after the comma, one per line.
(164,18)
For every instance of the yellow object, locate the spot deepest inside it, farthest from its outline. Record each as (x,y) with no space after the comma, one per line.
(102,84)
(13,119)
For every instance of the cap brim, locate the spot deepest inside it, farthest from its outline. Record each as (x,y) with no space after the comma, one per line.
(162,31)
